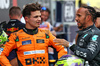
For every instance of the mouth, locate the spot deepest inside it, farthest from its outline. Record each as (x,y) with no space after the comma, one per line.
(77,23)
(38,23)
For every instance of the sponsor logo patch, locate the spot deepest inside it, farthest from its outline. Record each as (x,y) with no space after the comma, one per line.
(40,41)
(12,29)
(36,60)
(26,42)
(94,38)
(1,49)
(34,52)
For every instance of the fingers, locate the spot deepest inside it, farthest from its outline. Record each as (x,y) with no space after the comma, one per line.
(57,40)
(62,42)
(58,44)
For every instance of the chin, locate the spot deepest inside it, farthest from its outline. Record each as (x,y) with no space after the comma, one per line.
(38,25)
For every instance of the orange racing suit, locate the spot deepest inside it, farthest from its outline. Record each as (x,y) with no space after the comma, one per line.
(32,50)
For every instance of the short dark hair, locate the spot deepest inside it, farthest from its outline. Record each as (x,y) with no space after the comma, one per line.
(97,14)
(15,10)
(92,11)
(29,8)
(45,9)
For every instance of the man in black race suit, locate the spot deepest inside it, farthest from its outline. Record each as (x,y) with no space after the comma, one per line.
(88,41)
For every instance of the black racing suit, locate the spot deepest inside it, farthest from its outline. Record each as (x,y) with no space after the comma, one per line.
(13,25)
(88,45)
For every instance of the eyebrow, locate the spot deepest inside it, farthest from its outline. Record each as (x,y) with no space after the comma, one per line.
(37,16)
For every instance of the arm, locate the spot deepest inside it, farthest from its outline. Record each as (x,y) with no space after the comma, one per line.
(60,49)
(91,50)
(58,28)
(53,32)
(5,50)
(88,53)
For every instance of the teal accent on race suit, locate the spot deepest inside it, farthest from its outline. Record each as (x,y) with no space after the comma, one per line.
(94,38)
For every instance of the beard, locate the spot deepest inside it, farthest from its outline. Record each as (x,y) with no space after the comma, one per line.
(82,25)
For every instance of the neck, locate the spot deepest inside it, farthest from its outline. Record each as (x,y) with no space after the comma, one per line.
(15,17)
(30,31)
(28,26)
(90,23)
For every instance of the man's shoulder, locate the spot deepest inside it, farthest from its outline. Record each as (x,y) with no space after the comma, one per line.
(15,21)
(43,30)
(94,31)
(15,24)
(18,32)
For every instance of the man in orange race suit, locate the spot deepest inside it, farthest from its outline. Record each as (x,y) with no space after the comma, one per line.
(30,42)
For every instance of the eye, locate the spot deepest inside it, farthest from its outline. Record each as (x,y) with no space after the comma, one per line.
(35,16)
(78,15)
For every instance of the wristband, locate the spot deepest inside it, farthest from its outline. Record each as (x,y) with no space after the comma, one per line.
(70,44)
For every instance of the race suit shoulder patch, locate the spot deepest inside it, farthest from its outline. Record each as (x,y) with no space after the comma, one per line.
(26,42)
(47,36)
(40,41)
(1,49)
(94,38)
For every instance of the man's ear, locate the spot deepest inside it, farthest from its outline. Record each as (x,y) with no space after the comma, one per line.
(26,18)
(89,17)
(9,16)
(21,16)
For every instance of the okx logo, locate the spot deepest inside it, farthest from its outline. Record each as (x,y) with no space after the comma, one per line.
(38,60)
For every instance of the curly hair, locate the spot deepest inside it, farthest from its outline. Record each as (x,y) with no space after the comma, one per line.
(92,12)
(30,8)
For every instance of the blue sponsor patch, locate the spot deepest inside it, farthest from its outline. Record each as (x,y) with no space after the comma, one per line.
(26,42)
(27,53)
(1,49)
(94,38)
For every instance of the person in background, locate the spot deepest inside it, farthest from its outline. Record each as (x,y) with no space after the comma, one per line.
(3,35)
(88,41)
(97,22)
(30,42)
(45,13)
(58,27)
(97,18)
(13,25)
